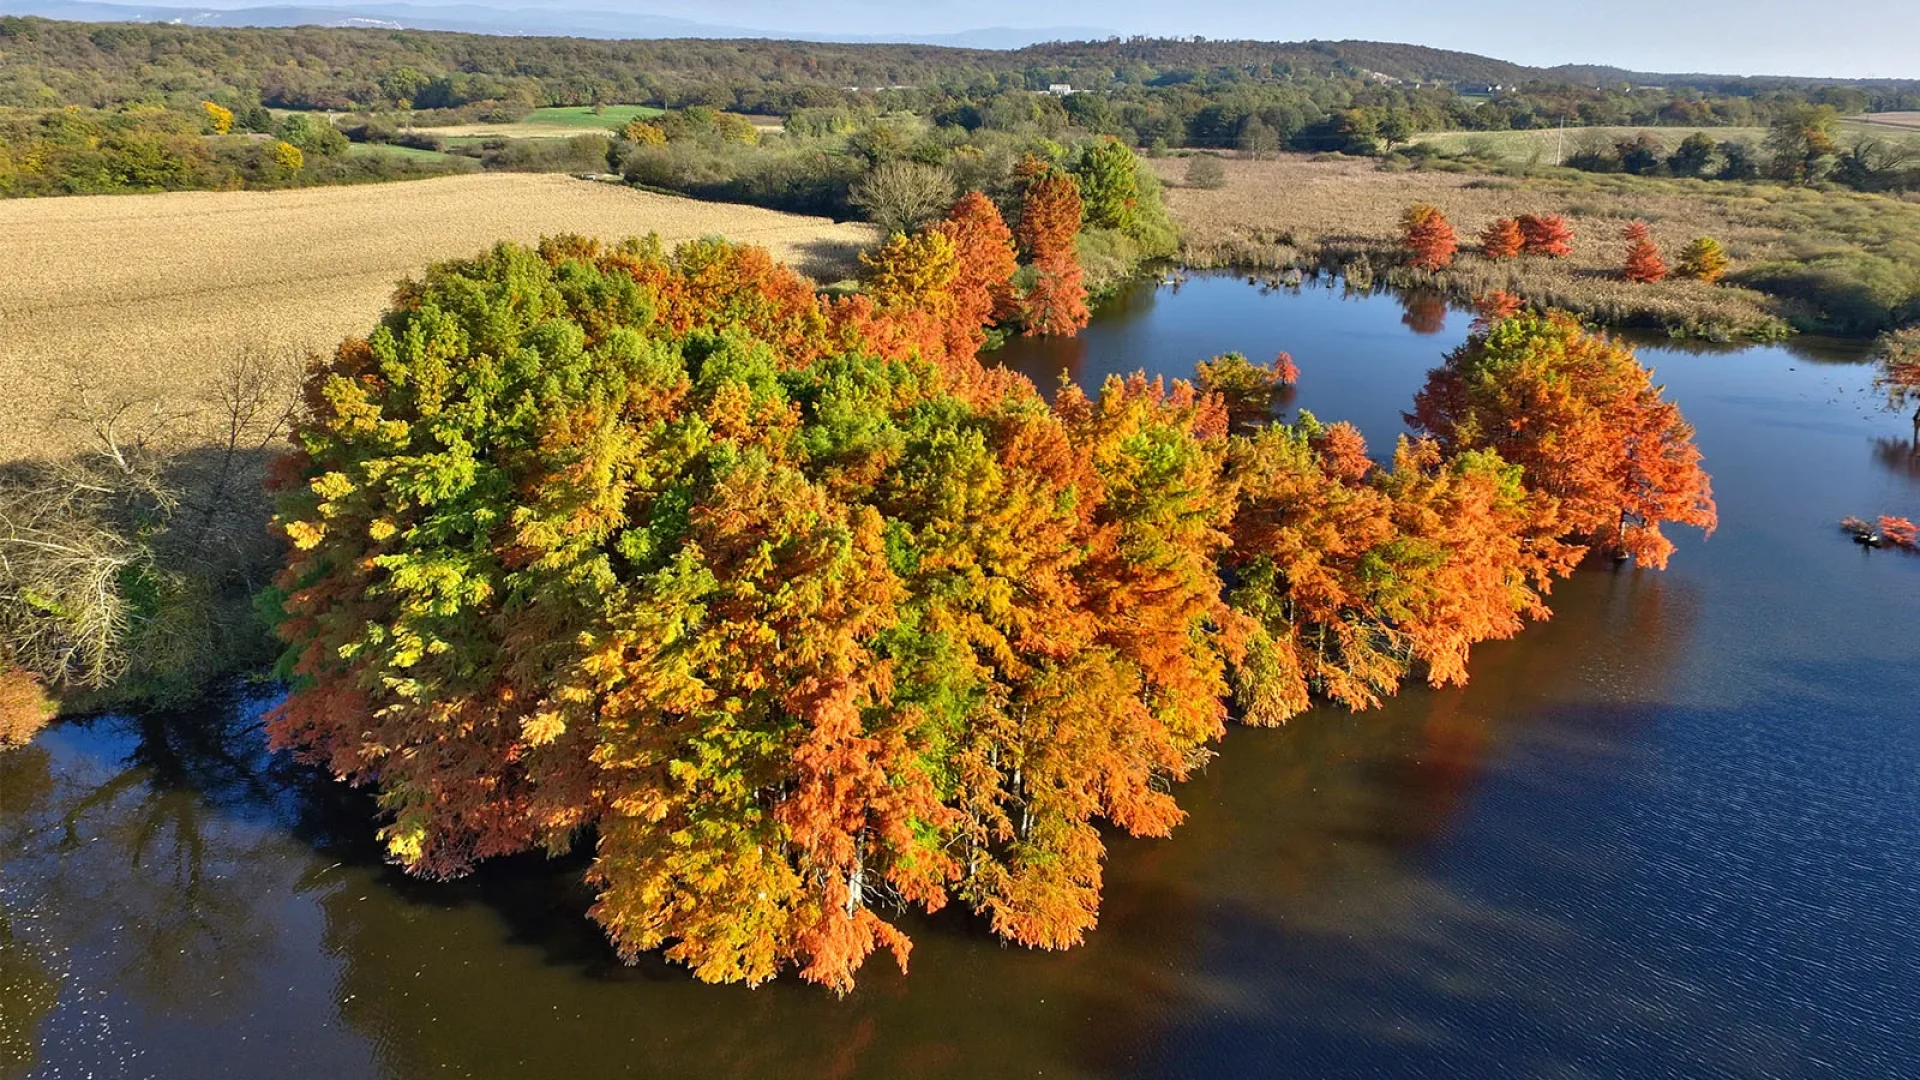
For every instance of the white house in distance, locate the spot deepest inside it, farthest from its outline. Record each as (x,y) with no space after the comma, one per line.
(1059,89)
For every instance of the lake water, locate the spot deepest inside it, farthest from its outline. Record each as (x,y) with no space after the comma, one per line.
(1672,832)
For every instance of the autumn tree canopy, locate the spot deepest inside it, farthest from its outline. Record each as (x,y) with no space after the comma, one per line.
(1582,418)
(1050,216)
(804,616)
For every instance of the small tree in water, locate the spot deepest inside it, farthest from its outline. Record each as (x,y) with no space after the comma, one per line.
(1899,373)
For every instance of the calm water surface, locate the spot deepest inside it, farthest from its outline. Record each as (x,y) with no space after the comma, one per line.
(1672,832)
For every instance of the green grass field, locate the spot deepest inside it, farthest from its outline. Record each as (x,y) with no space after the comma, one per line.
(585,119)
(553,123)
(383,150)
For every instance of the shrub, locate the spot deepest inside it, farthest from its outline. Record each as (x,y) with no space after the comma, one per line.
(1546,234)
(25,706)
(1704,260)
(1206,171)
(1428,237)
(901,196)
(1644,265)
(1502,239)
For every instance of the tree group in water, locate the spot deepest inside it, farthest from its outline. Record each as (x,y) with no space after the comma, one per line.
(801,614)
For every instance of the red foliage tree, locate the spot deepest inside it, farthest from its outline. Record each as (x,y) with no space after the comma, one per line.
(1546,234)
(1050,214)
(1502,239)
(1644,265)
(1428,237)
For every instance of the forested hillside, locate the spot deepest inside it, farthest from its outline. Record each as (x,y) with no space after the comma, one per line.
(44,63)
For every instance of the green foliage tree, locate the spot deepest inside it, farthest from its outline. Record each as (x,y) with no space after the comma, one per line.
(1109,185)
(1694,156)
(1800,144)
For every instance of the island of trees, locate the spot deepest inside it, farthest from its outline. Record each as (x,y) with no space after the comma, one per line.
(800,614)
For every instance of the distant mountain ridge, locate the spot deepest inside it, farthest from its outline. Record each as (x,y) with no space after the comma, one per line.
(531,22)
(1056,46)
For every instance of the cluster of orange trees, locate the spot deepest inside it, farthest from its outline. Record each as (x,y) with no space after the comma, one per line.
(1431,243)
(800,614)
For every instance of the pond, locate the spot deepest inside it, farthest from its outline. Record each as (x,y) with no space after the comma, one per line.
(1673,831)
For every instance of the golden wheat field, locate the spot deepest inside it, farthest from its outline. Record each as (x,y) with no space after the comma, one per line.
(148,295)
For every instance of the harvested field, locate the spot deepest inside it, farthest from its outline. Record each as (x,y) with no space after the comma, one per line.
(1907,121)
(148,294)
(1313,212)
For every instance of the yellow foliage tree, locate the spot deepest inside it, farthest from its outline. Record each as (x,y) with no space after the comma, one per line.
(912,272)
(289,158)
(219,117)
(644,134)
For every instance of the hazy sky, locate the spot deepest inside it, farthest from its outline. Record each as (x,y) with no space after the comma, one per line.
(1858,38)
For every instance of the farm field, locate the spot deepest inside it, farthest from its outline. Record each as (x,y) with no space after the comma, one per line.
(551,123)
(1905,121)
(146,295)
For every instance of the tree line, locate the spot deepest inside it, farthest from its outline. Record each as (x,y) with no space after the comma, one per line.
(1310,96)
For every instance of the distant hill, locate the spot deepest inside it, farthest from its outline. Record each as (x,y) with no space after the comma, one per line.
(533,22)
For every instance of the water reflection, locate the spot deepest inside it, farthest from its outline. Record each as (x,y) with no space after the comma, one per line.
(1425,311)
(1900,457)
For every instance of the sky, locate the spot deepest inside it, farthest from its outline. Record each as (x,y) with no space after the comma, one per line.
(1847,38)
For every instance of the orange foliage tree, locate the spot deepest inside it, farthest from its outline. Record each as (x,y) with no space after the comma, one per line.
(1428,237)
(1644,265)
(1581,416)
(1050,214)
(1546,234)
(986,262)
(1502,239)
(1350,575)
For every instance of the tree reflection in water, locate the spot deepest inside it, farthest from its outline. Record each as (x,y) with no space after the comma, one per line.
(1425,311)
(149,852)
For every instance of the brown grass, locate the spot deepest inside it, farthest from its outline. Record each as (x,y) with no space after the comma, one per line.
(1315,213)
(151,294)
